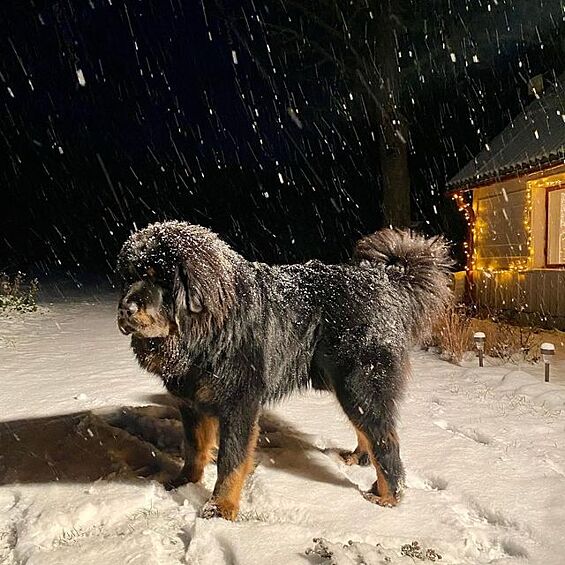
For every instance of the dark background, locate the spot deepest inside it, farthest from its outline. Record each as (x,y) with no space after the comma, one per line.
(207,111)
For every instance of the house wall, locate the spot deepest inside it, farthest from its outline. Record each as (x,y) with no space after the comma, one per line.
(500,236)
(536,297)
(509,240)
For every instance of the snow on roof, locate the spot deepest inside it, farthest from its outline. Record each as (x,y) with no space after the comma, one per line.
(534,140)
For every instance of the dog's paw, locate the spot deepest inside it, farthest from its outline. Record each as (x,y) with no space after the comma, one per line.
(187,475)
(355,458)
(210,510)
(387,501)
(216,509)
(173,484)
(177,482)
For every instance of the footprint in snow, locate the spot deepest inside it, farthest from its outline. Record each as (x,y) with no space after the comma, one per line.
(469,433)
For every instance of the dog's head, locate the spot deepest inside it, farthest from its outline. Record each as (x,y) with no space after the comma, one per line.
(176,278)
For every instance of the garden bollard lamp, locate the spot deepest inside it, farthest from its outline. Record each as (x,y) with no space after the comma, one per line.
(479,339)
(547,353)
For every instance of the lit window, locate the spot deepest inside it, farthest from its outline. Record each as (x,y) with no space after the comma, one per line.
(556,226)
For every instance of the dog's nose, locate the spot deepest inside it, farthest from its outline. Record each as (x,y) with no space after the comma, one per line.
(131,308)
(128,309)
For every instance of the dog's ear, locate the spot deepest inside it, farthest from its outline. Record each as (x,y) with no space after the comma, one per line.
(195,303)
(180,297)
(186,298)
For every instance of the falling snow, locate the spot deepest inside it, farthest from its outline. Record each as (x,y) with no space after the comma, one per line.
(80,77)
(290,128)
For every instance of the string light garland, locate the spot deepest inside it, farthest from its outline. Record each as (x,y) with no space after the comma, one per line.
(477,227)
(465,206)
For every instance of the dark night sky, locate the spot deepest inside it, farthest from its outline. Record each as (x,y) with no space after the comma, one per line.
(171,124)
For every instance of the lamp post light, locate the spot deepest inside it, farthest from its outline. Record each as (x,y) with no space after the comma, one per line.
(479,338)
(547,353)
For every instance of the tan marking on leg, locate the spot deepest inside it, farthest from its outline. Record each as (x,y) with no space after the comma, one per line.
(229,492)
(363,444)
(380,492)
(353,458)
(206,435)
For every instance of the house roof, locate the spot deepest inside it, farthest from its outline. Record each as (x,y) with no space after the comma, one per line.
(534,140)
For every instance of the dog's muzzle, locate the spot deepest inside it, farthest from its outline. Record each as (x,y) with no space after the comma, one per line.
(126,311)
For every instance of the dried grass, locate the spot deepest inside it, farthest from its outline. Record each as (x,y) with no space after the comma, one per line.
(453,336)
(508,342)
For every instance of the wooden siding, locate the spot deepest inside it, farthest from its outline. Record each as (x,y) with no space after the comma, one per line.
(510,275)
(500,238)
(536,296)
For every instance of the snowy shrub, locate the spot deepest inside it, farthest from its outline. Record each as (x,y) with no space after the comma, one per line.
(452,333)
(416,551)
(358,553)
(18,294)
(354,553)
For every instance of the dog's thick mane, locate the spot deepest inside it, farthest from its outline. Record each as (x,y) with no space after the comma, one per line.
(209,263)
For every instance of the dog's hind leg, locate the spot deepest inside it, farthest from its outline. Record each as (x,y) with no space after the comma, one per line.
(382,444)
(201,433)
(371,409)
(385,456)
(238,438)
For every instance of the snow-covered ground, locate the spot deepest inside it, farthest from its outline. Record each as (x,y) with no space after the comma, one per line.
(85,436)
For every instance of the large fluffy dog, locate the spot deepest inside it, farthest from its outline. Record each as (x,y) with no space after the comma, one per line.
(228,336)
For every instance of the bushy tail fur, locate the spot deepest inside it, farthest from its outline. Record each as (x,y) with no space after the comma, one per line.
(418,266)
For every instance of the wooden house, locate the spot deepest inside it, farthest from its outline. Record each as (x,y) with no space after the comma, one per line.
(513,197)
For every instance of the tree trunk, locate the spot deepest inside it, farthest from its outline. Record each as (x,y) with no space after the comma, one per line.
(393,148)
(393,158)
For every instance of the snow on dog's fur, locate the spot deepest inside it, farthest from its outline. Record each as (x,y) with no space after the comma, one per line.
(228,336)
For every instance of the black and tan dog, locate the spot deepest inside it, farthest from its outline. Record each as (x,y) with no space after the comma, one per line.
(228,336)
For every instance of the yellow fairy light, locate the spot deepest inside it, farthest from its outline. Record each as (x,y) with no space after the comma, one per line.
(464,206)
(528,227)
(478,231)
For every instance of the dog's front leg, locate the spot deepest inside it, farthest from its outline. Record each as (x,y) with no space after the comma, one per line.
(238,437)
(200,436)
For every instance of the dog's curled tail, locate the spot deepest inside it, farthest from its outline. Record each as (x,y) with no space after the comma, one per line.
(418,265)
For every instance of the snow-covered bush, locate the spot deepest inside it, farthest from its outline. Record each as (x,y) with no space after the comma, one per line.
(16,293)
(358,553)
(416,551)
